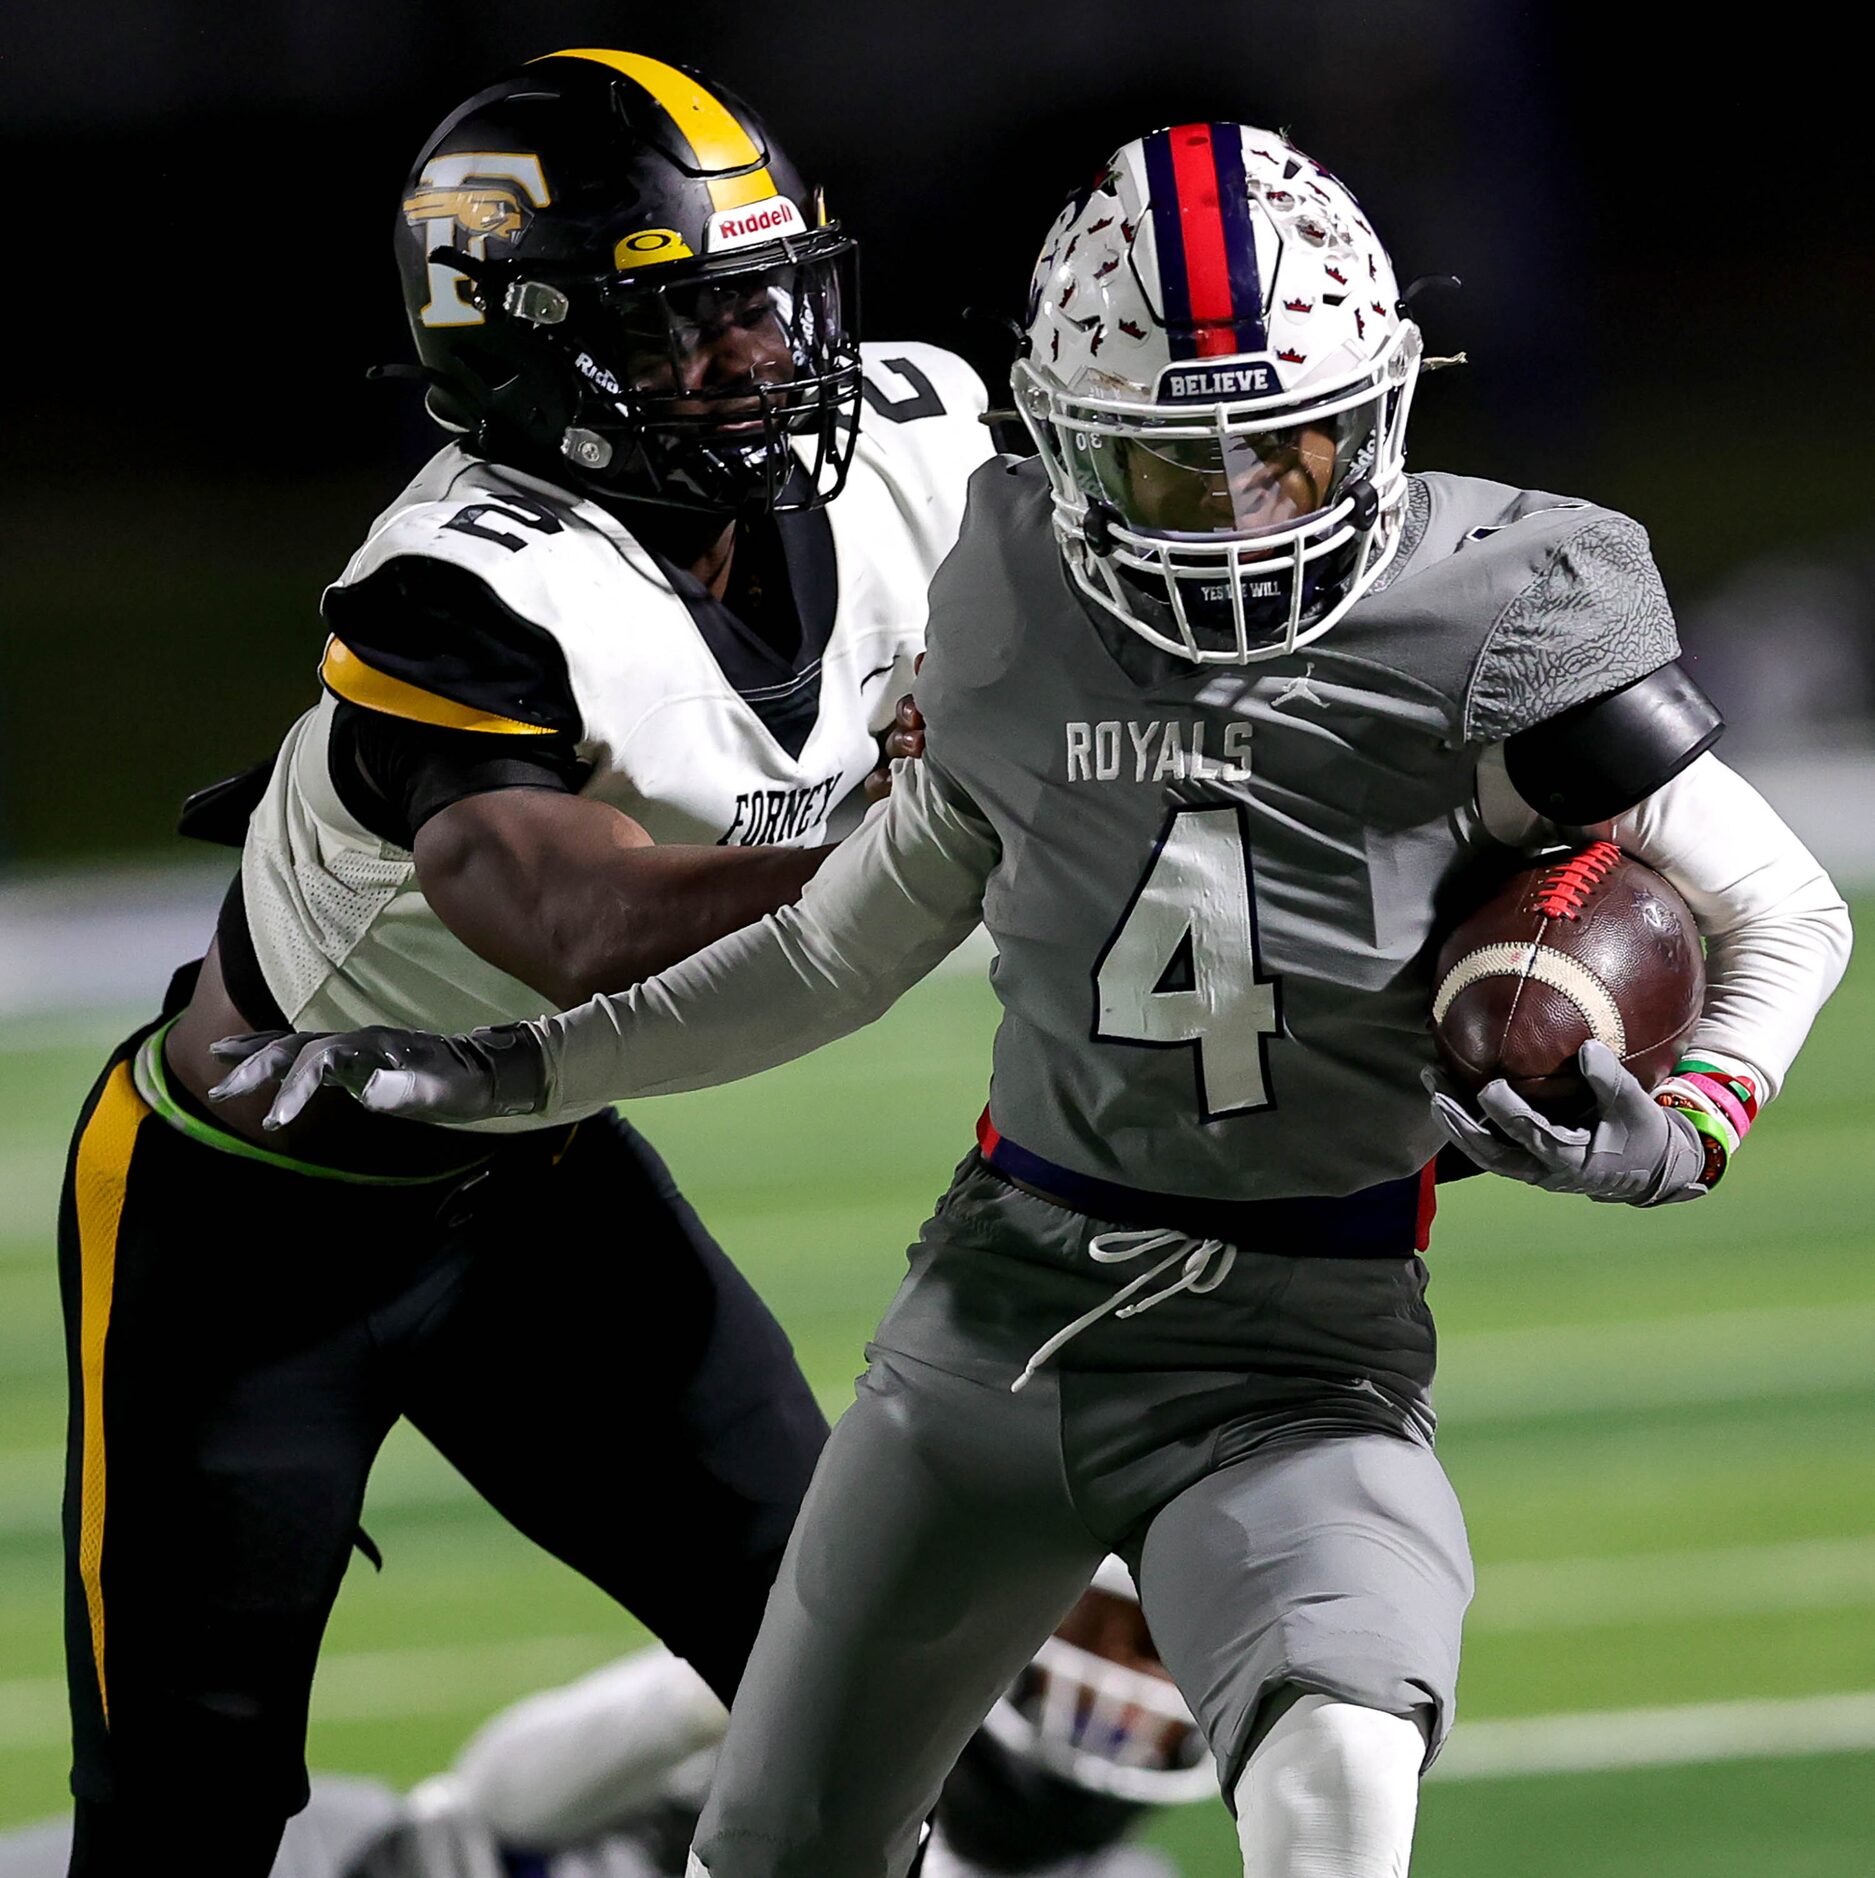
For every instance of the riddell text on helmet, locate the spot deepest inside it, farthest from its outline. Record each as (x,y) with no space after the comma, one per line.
(732,228)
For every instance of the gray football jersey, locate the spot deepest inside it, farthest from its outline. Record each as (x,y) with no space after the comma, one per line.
(1218,886)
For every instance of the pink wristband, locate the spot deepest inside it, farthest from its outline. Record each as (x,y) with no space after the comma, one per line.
(1721,1099)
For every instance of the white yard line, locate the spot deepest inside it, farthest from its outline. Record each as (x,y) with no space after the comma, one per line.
(385,1685)
(1656,1362)
(365,1685)
(1494,1379)
(1649,1587)
(70,942)
(1611,1740)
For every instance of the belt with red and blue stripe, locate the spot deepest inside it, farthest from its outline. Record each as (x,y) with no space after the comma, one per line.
(1390,1220)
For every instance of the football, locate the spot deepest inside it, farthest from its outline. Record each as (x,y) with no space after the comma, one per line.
(1588,943)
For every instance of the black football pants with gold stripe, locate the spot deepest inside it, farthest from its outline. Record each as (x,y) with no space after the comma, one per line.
(242,1336)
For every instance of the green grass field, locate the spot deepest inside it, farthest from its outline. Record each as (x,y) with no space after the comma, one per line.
(1663,1429)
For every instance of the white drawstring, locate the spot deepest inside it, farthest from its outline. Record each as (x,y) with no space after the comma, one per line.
(1207,1265)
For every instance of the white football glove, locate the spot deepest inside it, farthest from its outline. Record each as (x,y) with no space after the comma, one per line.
(1636,1152)
(413,1073)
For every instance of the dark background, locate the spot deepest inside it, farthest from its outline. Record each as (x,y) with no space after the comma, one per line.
(1661,227)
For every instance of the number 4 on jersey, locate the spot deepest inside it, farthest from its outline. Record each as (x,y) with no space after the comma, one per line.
(1182,968)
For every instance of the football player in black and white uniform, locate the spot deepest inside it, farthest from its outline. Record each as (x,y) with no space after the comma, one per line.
(596,685)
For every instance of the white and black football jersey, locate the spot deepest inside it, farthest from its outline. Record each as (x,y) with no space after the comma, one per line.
(525,632)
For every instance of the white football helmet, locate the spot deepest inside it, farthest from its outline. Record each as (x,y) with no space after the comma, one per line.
(1102,1725)
(1218,376)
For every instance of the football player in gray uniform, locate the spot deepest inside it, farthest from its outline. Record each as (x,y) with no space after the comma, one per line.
(1223,708)
(596,686)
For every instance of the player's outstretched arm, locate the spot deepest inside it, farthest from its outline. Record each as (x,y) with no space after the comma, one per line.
(1777,941)
(890,902)
(573,898)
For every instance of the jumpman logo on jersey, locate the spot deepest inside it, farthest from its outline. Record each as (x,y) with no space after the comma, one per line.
(1300,691)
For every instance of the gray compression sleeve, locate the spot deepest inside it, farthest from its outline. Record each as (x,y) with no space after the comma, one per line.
(891,901)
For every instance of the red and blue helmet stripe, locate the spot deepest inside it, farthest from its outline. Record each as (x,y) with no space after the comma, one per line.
(1205,241)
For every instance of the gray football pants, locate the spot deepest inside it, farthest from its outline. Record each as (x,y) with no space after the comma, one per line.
(1259,1455)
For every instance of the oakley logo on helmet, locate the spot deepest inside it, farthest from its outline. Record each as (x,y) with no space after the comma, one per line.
(472,197)
(650,247)
(760,221)
(1212,384)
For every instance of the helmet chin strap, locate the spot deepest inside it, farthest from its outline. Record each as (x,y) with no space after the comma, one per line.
(1097,525)
(1366,500)
(585,447)
(668,486)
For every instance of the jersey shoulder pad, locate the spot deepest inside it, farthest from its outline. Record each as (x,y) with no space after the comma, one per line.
(1463,512)
(1566,601)
(921,413)
(907,381)
(433,643)
(457,609)
(524,537)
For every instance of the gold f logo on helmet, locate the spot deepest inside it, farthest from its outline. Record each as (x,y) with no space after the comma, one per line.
(470,196)
(484,210)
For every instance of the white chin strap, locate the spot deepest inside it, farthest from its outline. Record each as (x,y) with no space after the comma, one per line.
(1331,1792)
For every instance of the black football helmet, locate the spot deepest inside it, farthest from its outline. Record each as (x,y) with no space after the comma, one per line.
(616,278)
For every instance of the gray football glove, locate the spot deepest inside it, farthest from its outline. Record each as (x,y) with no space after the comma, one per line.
(1636,1152)
(413,1073)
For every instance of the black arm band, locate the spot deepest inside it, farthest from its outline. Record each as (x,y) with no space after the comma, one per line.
(1596,760)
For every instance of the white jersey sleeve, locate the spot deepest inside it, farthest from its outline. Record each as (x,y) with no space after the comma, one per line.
(922,435)
(1776,930)
(562,1766)
(890,902)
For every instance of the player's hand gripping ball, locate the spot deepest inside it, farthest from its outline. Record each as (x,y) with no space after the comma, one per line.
(1560,1005)
(1590,946)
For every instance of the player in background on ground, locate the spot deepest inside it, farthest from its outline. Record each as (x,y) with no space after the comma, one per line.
(604,1777)
(596,685)
(1223,707)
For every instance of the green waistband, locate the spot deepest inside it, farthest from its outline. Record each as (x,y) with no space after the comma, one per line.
(153,1086)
